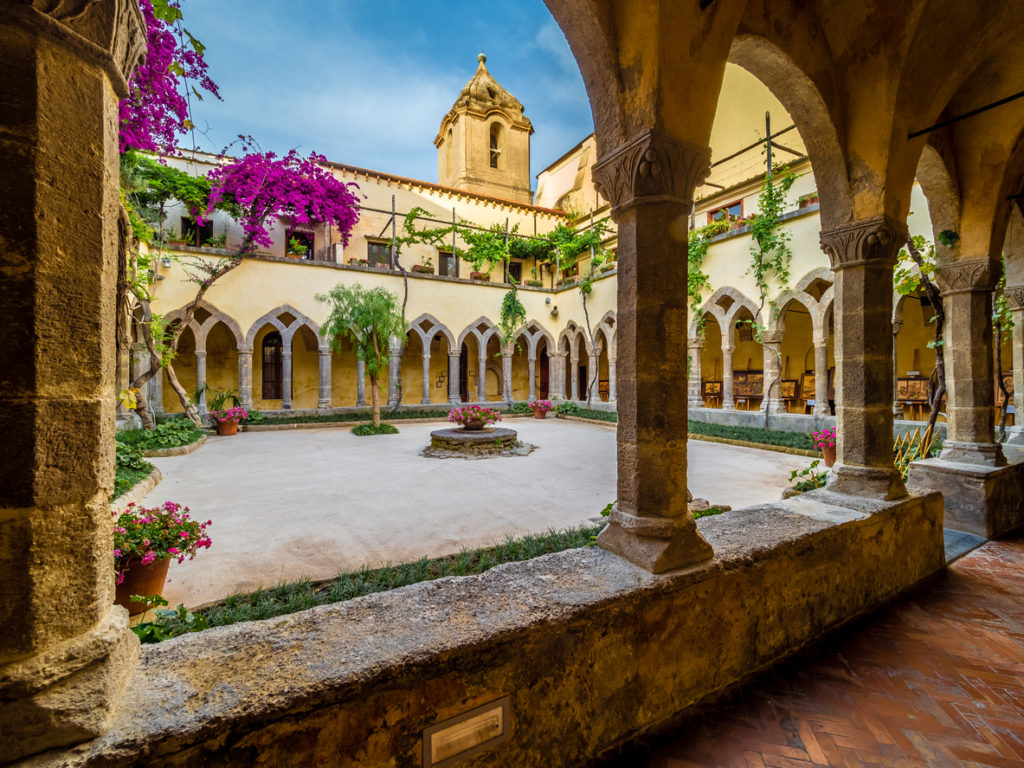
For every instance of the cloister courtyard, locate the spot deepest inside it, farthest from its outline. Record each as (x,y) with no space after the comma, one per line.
(301,503)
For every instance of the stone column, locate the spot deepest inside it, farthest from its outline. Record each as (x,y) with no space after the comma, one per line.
(454,385)
(970,363)
(286,377)
(574,378)
(201,380)
(821,378)
(612,372)
(156,392)
(481,376)
(506,374)
(650,182)
(728,403)
(360,381)
(897,407)
(245,376)
(771,349)
(533,374)
(556,375)
(593,375)
(862,256)
(66,653)
(324,398)
(694,345)
(394,371)
(1015,296)
(425,398)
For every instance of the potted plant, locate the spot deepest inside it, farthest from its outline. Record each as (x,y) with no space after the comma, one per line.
(473,417)
(296,249)
(608,267)
(145,540)
(359,262)
(811,198)
(540,408)
(426,267)
(227,419)
(825,439)
(220,241)
(484,277)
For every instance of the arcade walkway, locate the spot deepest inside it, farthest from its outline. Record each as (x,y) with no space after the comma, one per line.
(935,679)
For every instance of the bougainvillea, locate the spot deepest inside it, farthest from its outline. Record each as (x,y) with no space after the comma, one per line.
(266,187)
(156,109)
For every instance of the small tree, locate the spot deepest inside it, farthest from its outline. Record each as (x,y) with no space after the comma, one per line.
(370,318)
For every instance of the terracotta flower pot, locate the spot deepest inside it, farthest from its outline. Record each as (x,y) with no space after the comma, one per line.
(229,427)
(828,454)
(482,276)
(143,580)
(474,425)
(537,414)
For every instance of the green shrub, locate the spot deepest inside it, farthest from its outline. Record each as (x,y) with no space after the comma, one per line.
(811,478)
(753,435)
(568,408)
(129,468)
(166,434)
(254,417)
(521,408)
(369,429)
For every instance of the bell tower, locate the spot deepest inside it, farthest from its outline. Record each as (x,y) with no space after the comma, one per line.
(483,145)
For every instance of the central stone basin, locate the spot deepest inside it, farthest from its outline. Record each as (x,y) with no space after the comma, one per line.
(475,443)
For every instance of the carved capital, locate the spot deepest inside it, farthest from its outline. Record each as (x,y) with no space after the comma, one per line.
(1015,296)
(871,241)
(652,168)
(771,337)
(695,342)
(109,33)
(976,275)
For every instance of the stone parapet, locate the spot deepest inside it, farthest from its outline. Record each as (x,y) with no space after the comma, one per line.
(984,500)
(576,632)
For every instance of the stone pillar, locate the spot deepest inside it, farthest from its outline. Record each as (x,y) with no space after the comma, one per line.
(201,379)
(506,374)
(612,372)
(862,256)
(394,371)
(324,398)
(533,375)
(650,182)
(694,345)
(156,392)
(1015,296)
(771,349)
(425,398)
(897,407)
(481,376)
(360,381)
(821,378)
(556,375)
(728,403)
(65,650)
(286,377)
(574,378)
(970,363)
(593,375)
(454,384)
(245,376)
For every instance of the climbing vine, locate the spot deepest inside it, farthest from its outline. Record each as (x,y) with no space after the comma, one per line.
(512,316)
(770,253)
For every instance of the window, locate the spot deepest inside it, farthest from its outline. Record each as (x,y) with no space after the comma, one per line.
(302,240)
(273,373)
(193,234)
(378,252)
(515,271)
(446,264)
(732,210)
(495,141)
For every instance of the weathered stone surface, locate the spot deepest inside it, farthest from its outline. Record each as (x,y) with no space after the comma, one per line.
(610,647)
(461,443)
(984,500)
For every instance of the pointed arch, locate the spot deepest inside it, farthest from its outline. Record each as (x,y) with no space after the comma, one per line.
(533,332)
(427,327)
(275,317)
(200,330)
(481,329)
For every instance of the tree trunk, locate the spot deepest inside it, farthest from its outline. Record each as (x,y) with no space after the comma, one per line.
(1003,408)
(940,320)
(593,346)
(186,402)
(375,400)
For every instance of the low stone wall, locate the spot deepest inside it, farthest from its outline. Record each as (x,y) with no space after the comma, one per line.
(590,649)
(137,492)
(985,501)
(178,450)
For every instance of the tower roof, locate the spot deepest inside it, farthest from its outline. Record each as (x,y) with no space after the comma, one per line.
(483,93)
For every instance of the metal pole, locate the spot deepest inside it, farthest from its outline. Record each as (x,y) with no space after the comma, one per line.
(505,260)
(454,256)
(393,231)
(768,139)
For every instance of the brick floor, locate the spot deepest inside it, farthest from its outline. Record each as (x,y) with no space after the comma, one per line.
(935,679)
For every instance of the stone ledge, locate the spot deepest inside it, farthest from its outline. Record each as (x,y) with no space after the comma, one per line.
(178,450)
(985,501)
(592,649)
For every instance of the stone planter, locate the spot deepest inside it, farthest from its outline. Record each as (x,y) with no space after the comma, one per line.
(229,427)
(423,269)
(483,277)
(143,580)
(808,202)
(828,455)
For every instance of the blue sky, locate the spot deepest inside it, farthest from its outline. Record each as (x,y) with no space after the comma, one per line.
(367,83)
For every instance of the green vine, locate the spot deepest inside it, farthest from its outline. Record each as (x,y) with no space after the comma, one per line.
(770,253)
(697,280)
(512,316)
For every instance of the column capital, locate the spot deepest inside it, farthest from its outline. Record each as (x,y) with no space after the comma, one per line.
(1015,296)
(771,337)
(244,349)
(695,342)
(426,358)
(728,348)
(967,276)
(200,354)
(871,241)
(650,168)
(454,355)
(110,34)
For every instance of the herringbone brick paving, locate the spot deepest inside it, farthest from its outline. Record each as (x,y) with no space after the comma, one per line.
(934,679)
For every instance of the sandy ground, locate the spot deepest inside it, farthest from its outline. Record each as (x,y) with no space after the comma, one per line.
(312,502)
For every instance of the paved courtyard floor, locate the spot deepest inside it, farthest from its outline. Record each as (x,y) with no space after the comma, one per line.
(313,502)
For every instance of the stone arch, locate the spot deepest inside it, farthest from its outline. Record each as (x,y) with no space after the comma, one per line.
(940,189)
(427,327)
(210,317)
(805,103)
(481,329)
(568,338)
(533,332)
(823,274)
(777,321)
(278,318)
(725,314)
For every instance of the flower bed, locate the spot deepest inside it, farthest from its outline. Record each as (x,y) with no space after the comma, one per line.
(473,413)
